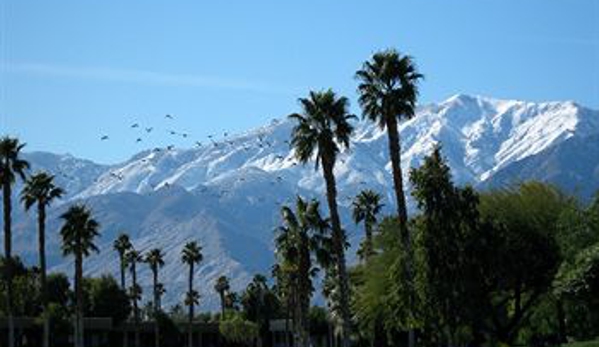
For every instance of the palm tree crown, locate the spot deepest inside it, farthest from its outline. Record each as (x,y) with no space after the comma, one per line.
(323,126)
(155,259)
(40,189)
(79,231)
(192,253)
(388,87)
(11,163)
(366,206)
(222,285)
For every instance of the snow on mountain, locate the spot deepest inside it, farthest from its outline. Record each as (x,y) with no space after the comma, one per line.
(227,193)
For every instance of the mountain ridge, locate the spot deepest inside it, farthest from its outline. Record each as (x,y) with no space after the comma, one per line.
(228,192)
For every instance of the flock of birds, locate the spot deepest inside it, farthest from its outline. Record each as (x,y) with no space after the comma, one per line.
(261,143)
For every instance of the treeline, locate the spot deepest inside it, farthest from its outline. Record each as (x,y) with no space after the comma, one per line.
(514,266)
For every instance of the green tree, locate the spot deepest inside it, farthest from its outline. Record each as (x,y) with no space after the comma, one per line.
(516,277)
(191,255)
(132,258)
(321,129)
(238,331)
(365,208)
(11,167)
(40,190)
(122,245)
(78,233)
(260,305)
(105,298)
(302,242)
(222,287)
(447,229)
(155,259)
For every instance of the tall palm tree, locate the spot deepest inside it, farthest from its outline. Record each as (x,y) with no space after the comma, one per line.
(302,241)
(191,255)
(40,189)
(122,245)
(388,91)
(134,257)
(322,128)
(155,259)
(365,207)
(78,233)
(11,167)
(222,286)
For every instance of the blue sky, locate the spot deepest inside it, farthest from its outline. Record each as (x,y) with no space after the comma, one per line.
(72,71)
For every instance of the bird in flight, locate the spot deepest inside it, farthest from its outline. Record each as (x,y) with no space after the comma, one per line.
(168,116)
(198,143)
(149,129)
(135,125)
(138,140)
(103,138)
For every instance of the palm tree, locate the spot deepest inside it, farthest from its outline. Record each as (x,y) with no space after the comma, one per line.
(78,233)
(40,189)
(322,129)
(122,245)
(155,258)
(388,91)
(11,167)
(191,255)
(302,237)
(222,286)
(133,257)
(365,207)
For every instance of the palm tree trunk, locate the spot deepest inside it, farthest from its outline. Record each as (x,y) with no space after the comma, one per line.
(135,308)
(123,282)
(394,155)
(156,309)
(6,189)
(328,164)
(190,330)
(41,222)
(402,214)
(79,295)
(222,304)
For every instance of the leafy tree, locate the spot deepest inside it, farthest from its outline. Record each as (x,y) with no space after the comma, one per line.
(58,289)
(155,259)
(11,167)
(132,258)
(301,242)
(577,284)
(122,245)
(365,208)
(516,276)
(447,230)
(388,91)
(40,190)
(260,304)
(105,298)
(222,287)
(238,331)
(379,315)
(321,130)
(78,233)
(191,255)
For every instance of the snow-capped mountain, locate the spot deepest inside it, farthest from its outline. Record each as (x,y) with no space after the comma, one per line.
(227,193)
